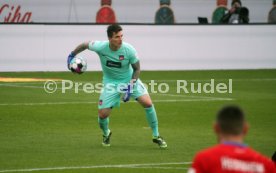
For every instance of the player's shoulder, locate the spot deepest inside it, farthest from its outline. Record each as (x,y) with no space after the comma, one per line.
(270,166)
(98,45)
(258,156)
(129,49)
(128,46)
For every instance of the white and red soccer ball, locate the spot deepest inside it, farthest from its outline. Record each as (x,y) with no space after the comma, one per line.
(78,64)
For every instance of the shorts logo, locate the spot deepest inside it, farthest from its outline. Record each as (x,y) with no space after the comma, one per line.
(121,57)
(100,102)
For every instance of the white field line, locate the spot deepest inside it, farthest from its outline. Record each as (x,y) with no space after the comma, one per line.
(24,86)
(217,80)
(145,166)
(199,97)
(94,102)
(45,103)
(157,167)
(148,81)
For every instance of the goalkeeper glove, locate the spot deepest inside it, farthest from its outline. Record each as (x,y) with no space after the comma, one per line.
(69,59)
(128,90)
(127,95)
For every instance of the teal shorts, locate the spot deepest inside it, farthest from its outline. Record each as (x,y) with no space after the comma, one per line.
(111,94)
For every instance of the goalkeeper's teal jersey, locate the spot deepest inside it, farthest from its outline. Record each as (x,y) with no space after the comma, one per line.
(116,65)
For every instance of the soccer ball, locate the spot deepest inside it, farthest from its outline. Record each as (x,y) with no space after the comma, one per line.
(78,65)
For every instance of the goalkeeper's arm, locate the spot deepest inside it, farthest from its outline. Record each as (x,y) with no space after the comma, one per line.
(135,76)
(77,50)
(80,48)
(136,71)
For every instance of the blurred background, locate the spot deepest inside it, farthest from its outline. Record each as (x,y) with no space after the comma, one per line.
(192,34)
(142,11)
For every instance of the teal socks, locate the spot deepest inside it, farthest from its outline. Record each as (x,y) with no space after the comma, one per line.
(150,115)
(152,120)
(104,125)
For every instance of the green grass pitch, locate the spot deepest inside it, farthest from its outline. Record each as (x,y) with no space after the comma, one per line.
(58,132)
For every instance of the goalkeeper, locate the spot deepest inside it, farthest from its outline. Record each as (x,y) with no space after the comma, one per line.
(121,67)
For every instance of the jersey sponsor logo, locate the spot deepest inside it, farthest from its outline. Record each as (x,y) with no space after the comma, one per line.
(240,165)
(113,64)
(121,57)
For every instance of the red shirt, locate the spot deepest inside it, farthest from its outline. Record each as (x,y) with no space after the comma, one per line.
(231,158)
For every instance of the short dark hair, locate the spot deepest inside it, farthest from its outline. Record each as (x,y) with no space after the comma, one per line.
(113,28)
(231,119)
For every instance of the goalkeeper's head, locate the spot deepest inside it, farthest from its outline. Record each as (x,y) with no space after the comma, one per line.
(230,123)
(113,29)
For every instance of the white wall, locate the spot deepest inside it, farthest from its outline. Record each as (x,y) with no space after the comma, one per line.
(141,11)
(45,47)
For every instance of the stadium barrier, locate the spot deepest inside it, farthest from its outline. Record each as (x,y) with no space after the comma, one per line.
(175,47)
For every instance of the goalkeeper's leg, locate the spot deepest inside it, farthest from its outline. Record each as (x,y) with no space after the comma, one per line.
(151,116)
(103,120)
(108,99)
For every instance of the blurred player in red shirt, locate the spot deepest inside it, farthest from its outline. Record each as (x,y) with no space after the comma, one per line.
(231,155)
